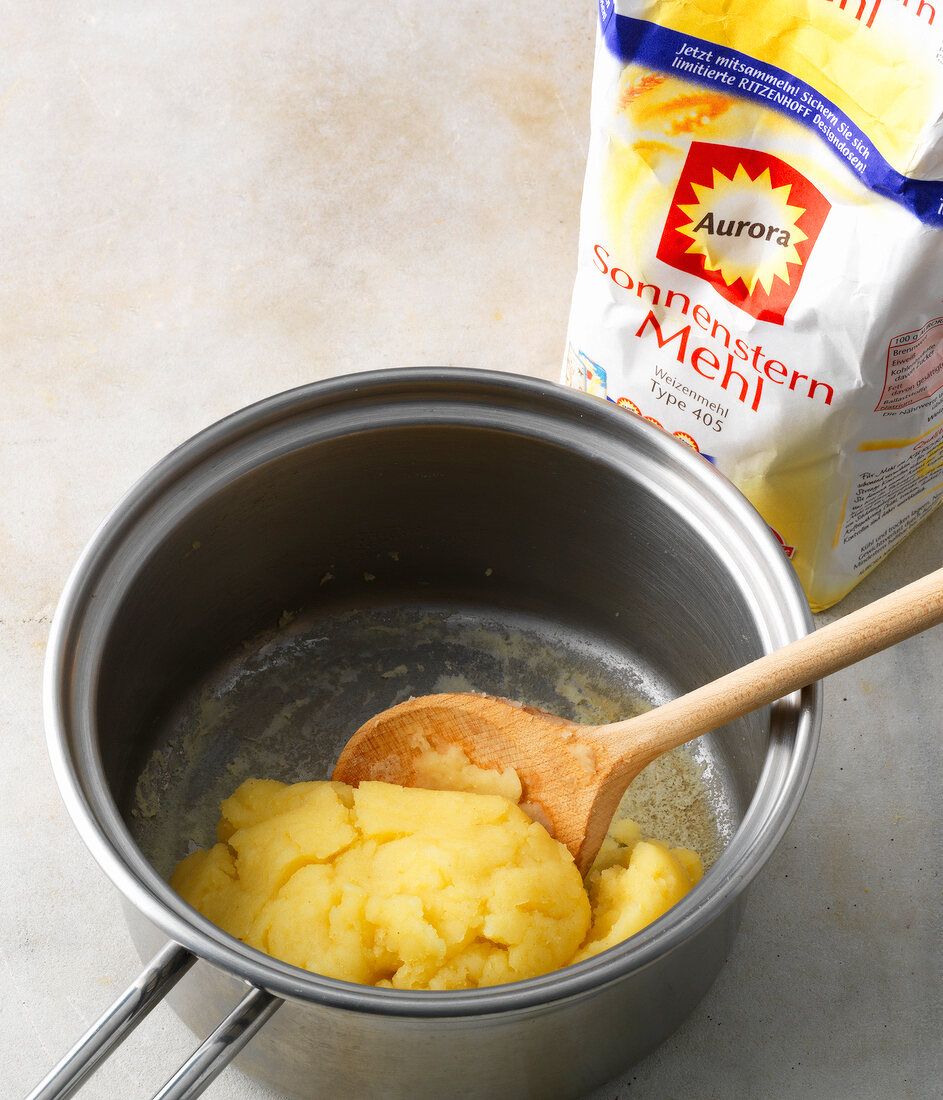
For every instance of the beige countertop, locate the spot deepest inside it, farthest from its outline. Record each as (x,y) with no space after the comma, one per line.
(204,204)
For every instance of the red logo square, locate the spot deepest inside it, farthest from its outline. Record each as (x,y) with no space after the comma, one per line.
(745,222)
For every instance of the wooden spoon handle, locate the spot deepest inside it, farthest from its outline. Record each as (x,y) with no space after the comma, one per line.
(877,626)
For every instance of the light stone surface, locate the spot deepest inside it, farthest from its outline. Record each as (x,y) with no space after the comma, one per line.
(207,203)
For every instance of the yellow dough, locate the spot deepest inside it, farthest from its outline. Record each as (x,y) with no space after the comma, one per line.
(419,889)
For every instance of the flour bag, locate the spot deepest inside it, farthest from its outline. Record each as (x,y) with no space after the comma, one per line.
(760,267)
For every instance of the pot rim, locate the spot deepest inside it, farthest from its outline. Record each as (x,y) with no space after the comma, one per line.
(85,792)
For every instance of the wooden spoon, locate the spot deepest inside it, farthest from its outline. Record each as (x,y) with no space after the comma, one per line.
(574,775)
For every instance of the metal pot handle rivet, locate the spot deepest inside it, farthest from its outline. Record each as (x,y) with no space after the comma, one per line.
(121,1018)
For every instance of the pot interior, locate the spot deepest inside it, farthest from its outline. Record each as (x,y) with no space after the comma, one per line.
(312,560)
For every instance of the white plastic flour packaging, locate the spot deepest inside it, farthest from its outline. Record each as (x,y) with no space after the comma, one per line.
(761,257)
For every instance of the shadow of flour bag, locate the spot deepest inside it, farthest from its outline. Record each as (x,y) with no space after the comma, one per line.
(761,257)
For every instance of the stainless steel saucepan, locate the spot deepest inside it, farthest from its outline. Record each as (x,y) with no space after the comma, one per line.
(312,559)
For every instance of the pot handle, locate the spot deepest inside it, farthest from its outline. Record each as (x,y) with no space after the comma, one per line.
(120,1019)
(216,1051)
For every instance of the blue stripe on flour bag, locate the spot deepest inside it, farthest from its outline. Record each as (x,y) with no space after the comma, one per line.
(660,47)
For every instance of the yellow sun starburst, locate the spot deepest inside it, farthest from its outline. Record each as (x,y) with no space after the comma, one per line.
(744,227)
